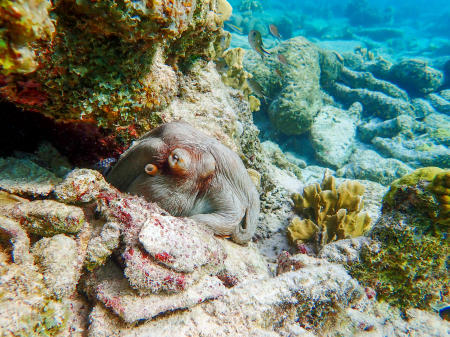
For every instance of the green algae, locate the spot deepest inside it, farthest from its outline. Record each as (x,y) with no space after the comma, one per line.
(408,262)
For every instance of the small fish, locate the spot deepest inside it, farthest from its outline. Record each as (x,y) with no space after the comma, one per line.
(279,73)
(282,59)
(256,88)
(274,31)
(255,40)
(234,27)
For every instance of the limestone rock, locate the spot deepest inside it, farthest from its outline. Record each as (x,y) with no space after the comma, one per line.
(414,152)
(416,76)
(24,177)
(48,217)
(366,80)
(297,98)
(57,258)
(333,134)
(81,186)
(112,290)
(439,103)
(292,111)
(375,103)
(388,128)
(369,165)
(101,246)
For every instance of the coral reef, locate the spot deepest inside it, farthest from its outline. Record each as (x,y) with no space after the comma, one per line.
(331,214)
(407,261)
(102,67)
(23,22)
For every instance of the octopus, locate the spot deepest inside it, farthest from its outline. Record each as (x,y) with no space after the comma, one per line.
(191,174)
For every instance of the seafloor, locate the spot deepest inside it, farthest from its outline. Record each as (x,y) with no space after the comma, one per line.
(339,113)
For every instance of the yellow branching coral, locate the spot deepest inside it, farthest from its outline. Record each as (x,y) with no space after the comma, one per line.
(234,75)
(330,214)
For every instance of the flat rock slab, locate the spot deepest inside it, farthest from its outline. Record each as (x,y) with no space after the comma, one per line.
(23,177)
(179,243)
(108,286)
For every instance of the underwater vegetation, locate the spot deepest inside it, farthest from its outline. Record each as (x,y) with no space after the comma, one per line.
(94,59)
(407,264)
(331,213)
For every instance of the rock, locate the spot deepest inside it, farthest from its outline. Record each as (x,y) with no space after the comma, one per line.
(369,165)
(292,111)
(112,290)
(280,160)
(48,217)
(242,264)
(343,251)
(375,103)
(81,186)
(101,246)
(445,94)
(268,307)
(439,103)
(422,107)
(18,237)
(420,151)
(180,245)
(416,76)
(57,259)
(387,129)
(24,177)
(437,126)
(333,134)
(25,305)
(355,79)
(298,98)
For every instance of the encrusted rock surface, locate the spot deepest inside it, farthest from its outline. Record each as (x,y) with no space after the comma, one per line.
(24,177)
(299,97)
(48,217)
(374,102)
(416,76)
(368,164)
(57,259)
(333,134)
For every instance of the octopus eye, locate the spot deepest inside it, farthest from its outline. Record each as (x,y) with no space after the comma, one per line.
(179,161)
(151,169)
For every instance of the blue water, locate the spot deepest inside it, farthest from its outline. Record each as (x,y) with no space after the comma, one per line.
(390,30)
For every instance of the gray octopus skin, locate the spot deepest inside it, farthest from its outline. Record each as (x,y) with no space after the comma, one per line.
(189,173)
